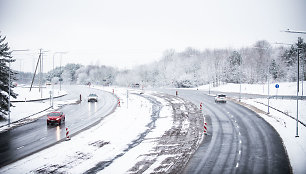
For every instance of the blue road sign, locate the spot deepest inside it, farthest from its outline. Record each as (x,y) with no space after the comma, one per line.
(277,86)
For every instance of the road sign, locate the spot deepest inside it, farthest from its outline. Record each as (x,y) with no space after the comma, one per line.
(277,86)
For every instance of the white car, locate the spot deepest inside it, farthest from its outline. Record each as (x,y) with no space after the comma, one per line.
(92,98)
(220,98)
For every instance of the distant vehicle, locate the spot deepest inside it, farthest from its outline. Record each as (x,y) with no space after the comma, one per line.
(92,98)
(220,98)
(14,84)
(135,85)
(56,118)
(48,83)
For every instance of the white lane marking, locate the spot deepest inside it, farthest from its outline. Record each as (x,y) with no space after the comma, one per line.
(239,133)
(42,138)
(20,147)
(237,165)
(240,141)
(237,126)
(239,152)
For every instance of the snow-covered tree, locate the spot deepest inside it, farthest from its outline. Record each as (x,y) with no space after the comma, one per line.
(6,75)
(233,71)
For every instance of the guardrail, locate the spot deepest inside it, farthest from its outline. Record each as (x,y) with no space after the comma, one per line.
(282,112)
(20,120)
(287,97)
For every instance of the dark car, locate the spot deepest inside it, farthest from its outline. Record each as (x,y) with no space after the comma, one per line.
(56,118)
(92,98)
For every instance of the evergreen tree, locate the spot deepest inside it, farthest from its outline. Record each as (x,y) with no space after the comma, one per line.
(5,73)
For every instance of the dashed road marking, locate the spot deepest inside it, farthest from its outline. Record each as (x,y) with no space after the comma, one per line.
(42,138)
(240,141)
(20,147)
(239,152)
(237,165)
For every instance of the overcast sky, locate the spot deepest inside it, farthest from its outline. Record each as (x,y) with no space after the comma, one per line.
(125,33)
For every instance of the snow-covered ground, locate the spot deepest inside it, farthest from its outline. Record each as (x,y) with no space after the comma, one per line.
(85,152)
(285,88)
(284,125)
(32,110)
(113,144)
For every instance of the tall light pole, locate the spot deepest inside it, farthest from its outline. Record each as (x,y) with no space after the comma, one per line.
(297,85)
(298,76)
(292,31)
(9,92)
(60,52)
(297,93)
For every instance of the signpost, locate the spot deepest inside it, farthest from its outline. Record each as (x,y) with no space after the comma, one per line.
(276,86)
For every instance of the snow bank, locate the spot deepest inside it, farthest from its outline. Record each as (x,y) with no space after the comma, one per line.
(24,93)
(285,88)
(32,110)
(116,134)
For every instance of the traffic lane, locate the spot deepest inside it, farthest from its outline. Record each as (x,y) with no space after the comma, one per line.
(256,146)
(265,150)
(29,138)
(218,152)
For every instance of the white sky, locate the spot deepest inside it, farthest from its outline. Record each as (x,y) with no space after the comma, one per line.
(125,33)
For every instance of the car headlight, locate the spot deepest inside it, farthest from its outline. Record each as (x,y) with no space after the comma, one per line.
(58,118)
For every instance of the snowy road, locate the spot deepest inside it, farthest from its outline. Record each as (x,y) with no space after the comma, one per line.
(30,138)
(238,140)
(155,133)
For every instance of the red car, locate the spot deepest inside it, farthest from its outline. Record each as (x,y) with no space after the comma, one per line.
(55,117)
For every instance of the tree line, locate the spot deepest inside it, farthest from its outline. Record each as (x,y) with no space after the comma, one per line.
(188,68)
(191,67)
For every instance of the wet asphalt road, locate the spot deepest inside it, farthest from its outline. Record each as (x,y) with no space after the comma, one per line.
(238,140)
(30,138)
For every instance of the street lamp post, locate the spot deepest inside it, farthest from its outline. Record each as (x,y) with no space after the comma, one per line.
(297,92)
(53,74)
(9,92)
(298,81)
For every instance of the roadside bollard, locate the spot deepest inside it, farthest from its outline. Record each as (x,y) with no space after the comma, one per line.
(67,134)
(118,102)
(205,128)
(201,106)
(176,93)
(113,91)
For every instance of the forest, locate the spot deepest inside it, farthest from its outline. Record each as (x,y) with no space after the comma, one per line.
(192,67)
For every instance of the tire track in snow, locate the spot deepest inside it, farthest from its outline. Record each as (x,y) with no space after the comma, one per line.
(156,108)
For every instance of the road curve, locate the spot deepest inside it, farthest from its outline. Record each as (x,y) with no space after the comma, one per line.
(238,140)
(30,138)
